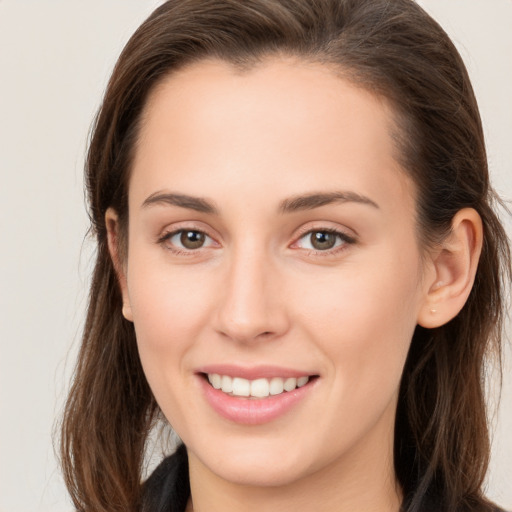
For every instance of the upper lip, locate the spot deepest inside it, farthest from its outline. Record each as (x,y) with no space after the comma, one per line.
(253,372)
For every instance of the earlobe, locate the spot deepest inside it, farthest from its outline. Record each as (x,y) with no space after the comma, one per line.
(114,241)
(455,263)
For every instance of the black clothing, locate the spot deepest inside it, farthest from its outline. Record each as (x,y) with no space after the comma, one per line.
(168,487)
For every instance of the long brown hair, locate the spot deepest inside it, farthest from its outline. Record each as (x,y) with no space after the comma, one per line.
(394,49)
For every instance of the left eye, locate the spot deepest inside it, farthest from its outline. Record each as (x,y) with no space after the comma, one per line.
(322,240)
(188,239)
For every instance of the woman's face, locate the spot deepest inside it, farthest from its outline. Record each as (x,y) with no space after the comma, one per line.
(272,242)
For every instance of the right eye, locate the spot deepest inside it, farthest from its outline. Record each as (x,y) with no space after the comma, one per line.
(187,240)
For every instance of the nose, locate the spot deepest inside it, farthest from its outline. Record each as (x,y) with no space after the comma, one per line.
(251,304)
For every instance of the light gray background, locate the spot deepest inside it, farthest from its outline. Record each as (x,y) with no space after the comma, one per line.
(55,58)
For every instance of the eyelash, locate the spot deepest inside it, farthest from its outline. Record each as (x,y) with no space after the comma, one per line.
(345,239)
(166,237)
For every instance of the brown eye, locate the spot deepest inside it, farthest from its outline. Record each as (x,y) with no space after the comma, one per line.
(192,239)
(186,241)
(323,240)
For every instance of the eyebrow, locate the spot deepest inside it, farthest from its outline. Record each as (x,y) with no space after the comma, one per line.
(316,200)
(293,204)
(198,204)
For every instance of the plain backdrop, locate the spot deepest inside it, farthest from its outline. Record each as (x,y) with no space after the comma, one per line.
(55,59)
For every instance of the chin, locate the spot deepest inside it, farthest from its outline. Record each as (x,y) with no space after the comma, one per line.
(256,463)
(254,475)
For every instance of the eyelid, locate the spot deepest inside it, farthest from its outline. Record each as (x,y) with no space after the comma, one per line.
(347,239)
(345,232)
(169,232)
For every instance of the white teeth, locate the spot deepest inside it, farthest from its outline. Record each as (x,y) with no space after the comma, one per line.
(227,384)
(259,388)
(241,387)
(290,384)
(276,386)
(215,380)
(302,381)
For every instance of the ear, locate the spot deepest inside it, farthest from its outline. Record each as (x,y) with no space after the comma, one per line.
(454,268)
(114,241)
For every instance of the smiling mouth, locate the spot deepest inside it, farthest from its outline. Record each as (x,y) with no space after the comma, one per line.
(258,388)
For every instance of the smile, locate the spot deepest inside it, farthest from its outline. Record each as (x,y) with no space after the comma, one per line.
(258,388)
(262,395)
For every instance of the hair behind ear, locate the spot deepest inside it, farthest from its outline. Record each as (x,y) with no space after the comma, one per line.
(110,408)
(442,442)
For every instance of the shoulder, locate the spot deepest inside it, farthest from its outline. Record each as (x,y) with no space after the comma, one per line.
(168,489)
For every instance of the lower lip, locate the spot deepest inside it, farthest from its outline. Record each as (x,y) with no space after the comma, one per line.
(253,411)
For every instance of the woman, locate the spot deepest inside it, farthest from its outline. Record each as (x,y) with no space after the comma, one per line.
(298,266)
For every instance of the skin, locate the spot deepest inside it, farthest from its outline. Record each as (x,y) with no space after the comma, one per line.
(256,293)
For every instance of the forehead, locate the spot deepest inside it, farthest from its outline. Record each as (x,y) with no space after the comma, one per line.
(210,124)
(217,87)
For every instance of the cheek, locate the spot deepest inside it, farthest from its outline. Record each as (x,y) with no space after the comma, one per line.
(170,309)
(365,320)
